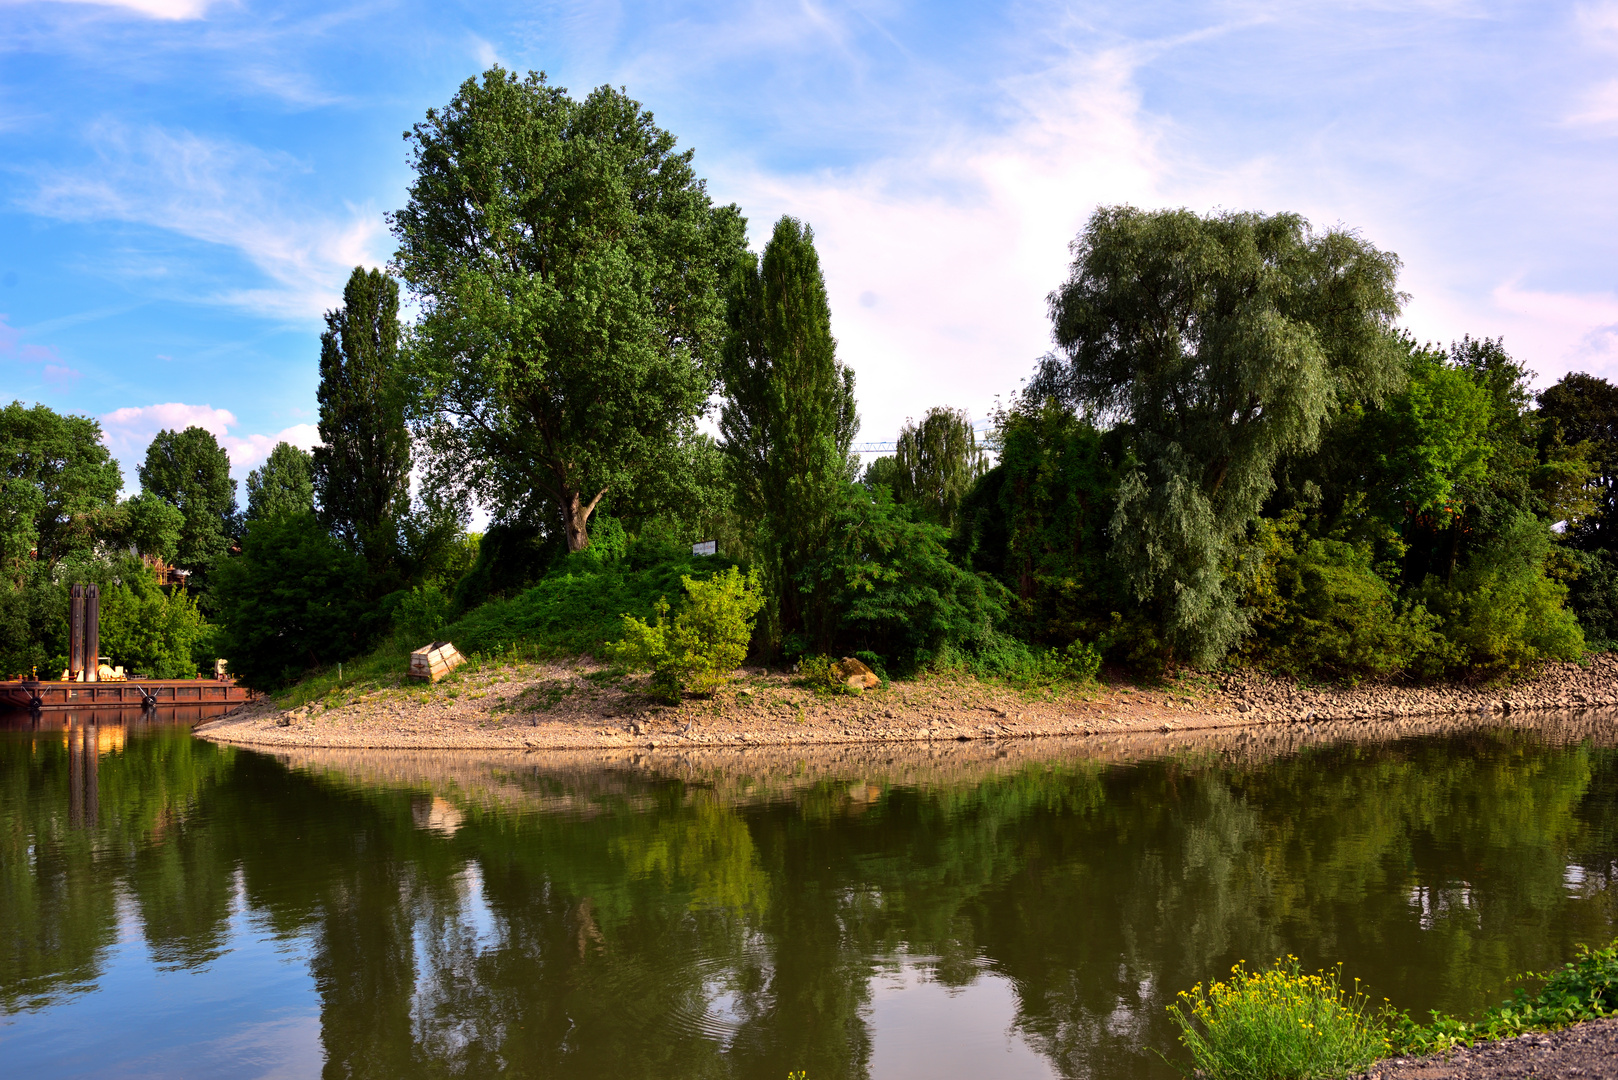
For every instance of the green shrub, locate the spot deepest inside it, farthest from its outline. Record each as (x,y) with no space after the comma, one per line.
(885,584)
(291,601)
(152,632)
(1501,613)
(1025,666)
(422,615)
(1584,989)
(706,641)
(1319,607)
(1277,1024)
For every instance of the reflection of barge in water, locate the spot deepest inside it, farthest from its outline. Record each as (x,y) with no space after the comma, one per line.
(133,693)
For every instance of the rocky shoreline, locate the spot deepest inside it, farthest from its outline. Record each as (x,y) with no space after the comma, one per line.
(580,705)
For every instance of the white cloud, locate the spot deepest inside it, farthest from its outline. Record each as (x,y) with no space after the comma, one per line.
(1577,330)
(129,430)
(250,451)
(938,265)
(175,10)
(222,193)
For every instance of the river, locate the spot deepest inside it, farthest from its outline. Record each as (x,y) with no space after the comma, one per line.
(169,907)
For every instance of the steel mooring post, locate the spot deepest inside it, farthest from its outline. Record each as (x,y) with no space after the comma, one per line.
(92,633)
(75,632)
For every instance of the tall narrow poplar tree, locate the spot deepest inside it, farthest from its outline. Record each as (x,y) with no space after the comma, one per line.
(790,417)
(362,472)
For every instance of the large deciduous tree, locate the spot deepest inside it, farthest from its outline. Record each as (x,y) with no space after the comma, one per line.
(58,484)
(569,268)
(789,416)
(191,471)
(361,472)
(1220,342)
(283,485)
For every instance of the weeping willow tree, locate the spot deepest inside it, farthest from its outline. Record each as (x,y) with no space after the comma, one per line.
(936,462)
(1218,343)
(789,415)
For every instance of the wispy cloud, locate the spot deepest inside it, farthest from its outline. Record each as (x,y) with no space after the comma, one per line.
(129,430)
(218,192)
(176,10)
(13,347)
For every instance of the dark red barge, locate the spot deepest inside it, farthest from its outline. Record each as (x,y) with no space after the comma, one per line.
(137,693)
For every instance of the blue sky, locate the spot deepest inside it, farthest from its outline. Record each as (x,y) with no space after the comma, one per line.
(185,184)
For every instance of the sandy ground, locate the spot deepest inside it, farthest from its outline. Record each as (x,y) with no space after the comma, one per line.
(582,706)
(1582,1051)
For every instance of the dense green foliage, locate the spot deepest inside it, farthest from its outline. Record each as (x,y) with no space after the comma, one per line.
(283,485)
(885,583)
(293,599)
(190,471)
(361,470)
(705,642)
(788,420)
(568,264)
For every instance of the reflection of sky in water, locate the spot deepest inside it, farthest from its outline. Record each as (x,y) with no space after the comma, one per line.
(924,1030)
(250,1012)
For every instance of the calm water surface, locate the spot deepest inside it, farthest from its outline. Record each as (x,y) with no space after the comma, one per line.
(172,908)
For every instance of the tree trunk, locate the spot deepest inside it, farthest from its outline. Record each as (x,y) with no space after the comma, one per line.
(576,518)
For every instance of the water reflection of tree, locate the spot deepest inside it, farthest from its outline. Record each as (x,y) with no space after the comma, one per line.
(668,931)
(58,901)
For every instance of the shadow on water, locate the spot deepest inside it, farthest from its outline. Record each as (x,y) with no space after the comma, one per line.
(1020,909)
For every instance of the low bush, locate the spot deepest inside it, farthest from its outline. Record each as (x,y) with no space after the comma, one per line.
(885,584)
(1584,989)
(578,607)
(1318,606)
(1277,1024)
(706,641)
(1502,613)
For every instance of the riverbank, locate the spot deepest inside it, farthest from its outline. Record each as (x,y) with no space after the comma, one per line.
(1580,1052)
(581,705)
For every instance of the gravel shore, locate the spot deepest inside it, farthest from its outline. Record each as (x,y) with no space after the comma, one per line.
(1582,1051)
(581,706)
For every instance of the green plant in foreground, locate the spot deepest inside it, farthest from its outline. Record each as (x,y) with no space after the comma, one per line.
(1584,989)
(1277,1024)
(706,641)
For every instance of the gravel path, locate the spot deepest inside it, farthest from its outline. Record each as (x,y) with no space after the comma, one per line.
(1582,1051)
